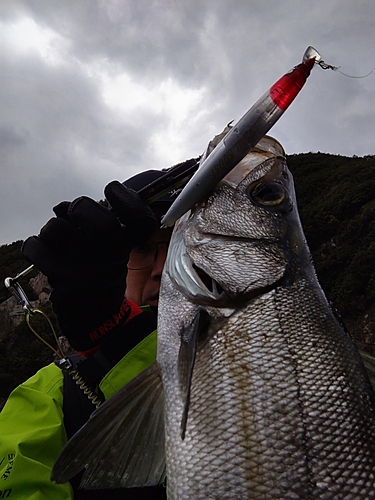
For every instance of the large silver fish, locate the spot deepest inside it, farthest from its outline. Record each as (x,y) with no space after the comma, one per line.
(259,391)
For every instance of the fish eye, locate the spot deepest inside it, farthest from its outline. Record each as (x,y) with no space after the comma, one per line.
(268,194)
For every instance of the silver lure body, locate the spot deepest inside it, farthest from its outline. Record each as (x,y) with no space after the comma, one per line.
(278,405)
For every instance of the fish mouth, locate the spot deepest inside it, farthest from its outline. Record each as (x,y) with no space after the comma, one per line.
(212,285)
(195,283)
(190,279)
(201,287)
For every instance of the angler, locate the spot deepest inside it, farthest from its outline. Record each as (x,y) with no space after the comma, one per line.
(91,260)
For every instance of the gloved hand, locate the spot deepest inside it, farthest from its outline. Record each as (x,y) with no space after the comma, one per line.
(84,251)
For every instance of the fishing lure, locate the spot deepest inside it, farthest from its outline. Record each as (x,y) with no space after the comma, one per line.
(244,135)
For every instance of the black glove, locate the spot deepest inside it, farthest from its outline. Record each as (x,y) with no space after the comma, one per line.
(84,253)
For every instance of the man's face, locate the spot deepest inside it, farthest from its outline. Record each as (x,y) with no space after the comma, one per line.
(143,285)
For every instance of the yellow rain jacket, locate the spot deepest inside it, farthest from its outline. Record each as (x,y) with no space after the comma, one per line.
(32,432)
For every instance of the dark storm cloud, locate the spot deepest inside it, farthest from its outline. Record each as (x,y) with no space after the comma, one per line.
(60,138)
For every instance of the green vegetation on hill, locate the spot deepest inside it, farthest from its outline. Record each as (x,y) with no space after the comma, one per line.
(336,201)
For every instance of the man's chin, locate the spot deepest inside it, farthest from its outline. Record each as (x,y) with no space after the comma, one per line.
(153,302)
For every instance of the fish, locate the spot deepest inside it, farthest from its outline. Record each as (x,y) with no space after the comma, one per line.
(258,392)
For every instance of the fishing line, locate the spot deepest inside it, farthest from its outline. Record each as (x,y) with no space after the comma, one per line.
(324,65)
(76,376)
(352,76)
(58,352)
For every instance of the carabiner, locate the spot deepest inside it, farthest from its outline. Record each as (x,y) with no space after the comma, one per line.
(18,292)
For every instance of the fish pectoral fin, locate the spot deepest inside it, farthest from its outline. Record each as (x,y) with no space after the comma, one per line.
(122,445)
(186,359)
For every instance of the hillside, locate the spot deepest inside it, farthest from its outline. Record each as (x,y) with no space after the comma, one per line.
(336,200)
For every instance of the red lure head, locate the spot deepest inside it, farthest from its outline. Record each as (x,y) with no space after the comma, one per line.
(284,91)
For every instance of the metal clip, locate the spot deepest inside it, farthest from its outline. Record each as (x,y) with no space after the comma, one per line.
(64,364)
(311,52)
(324,65)
(18,292)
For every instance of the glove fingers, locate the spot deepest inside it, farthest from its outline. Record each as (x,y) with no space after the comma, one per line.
(61,210)
(132,211)
(57,239)
(62,237)
(45,258)
(95,221)
(86,235)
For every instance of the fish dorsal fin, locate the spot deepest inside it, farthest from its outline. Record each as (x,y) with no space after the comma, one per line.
(186,359)
(122,445)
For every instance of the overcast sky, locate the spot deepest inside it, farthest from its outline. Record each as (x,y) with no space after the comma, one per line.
(96,90)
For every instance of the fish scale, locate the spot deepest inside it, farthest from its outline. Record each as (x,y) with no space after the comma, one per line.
(277,405)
